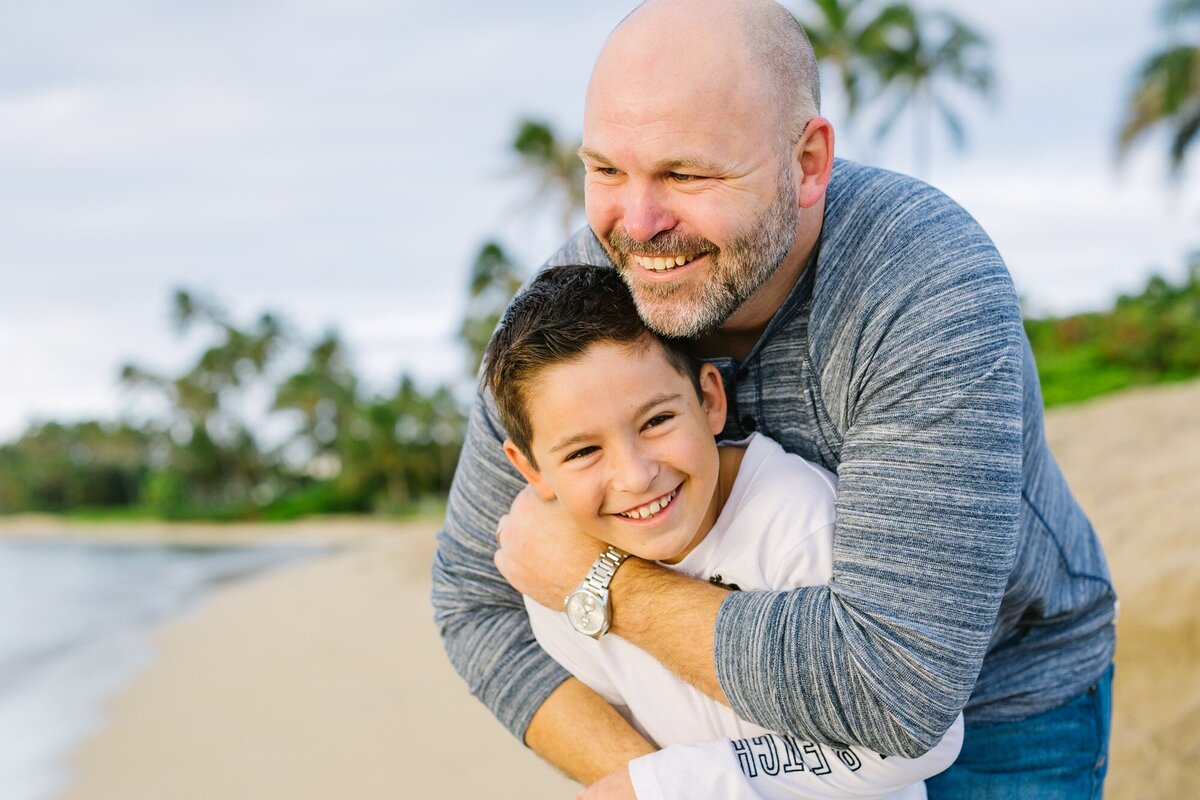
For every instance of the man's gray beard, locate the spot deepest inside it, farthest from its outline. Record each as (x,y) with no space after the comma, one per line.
(737,271)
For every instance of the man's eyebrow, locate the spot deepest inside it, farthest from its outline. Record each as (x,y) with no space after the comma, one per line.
(581,438)
(668,165)
(591,155)
(688,165)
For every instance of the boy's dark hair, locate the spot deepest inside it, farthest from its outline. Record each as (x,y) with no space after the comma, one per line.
(563,312)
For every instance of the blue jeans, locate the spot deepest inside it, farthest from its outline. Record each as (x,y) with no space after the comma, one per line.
(1060,754)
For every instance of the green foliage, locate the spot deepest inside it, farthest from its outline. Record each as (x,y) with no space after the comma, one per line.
(1166,90)
(493,281)
(555,165)
(901,55)
(347,451)
(54,467)
(1151,337)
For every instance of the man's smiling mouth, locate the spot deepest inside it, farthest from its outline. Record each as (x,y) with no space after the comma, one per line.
(651,508)
(663,263)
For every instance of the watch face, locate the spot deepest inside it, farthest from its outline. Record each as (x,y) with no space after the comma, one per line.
(585,611)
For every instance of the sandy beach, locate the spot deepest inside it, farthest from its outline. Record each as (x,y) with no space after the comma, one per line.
(327,679)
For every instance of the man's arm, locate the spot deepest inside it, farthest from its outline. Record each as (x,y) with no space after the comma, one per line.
(928,505)
(578,731)
(928,513)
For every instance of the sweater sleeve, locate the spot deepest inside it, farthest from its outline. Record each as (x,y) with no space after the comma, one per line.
(929,487)
(482,619)
(775,767)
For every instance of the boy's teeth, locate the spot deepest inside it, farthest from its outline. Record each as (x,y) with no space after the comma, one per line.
(653,507)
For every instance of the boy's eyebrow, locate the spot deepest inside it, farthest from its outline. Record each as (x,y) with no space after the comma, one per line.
(580,438)
(654,401)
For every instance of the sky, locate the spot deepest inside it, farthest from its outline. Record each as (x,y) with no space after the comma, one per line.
(341,162)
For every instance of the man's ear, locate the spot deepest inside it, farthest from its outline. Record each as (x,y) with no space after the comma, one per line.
(712,396)
(813,155)
(528,471)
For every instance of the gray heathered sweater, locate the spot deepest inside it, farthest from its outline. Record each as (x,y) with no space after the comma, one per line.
(964,574)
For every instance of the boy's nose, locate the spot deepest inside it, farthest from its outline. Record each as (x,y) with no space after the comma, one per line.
(634,471)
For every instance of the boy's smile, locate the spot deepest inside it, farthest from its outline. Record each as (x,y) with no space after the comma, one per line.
(652,509)
(623,441)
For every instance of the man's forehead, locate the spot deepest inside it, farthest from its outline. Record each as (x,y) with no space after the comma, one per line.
(688,90)
(671,137)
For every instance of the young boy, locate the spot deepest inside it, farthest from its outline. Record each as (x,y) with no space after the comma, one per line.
(618,425)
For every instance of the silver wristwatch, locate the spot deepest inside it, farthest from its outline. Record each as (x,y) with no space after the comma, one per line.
(588,607)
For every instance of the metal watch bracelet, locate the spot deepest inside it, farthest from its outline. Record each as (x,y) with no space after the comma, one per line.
(603,569)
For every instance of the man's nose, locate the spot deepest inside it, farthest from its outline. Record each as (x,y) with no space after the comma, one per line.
(647,212)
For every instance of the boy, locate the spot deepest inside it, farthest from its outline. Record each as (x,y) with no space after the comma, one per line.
(618,426)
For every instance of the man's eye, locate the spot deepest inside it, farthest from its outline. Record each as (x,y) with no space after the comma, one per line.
(608,171)
(581,453)
(680,177)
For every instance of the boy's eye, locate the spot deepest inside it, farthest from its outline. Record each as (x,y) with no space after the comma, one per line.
(581,453)
(658,419)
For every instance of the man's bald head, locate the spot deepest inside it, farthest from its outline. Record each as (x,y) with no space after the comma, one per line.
(758,36)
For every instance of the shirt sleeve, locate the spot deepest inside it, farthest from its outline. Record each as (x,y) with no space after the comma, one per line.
(776,767)
(482,619)
(929,405)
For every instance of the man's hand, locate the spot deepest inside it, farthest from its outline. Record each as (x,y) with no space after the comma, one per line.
(617,786)
(541,551)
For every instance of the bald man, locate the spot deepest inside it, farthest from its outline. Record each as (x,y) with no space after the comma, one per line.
(867,323)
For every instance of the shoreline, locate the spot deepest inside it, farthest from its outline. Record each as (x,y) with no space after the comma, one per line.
(327,530)
(324,678)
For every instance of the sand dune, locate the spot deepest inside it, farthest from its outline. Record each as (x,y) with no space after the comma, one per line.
(327,679)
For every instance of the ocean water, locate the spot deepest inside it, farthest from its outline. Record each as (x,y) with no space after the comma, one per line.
(74,624)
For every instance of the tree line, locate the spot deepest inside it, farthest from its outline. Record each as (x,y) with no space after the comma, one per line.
(264,423)
(270,423)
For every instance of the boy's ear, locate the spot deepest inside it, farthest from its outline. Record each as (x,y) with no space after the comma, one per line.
(528,471)
(712,395)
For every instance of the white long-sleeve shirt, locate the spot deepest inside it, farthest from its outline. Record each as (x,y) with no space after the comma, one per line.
(774,532)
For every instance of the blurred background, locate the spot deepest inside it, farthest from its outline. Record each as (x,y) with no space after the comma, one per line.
(249,253)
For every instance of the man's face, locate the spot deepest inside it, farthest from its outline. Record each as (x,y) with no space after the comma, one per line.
(624,443)
(694,200)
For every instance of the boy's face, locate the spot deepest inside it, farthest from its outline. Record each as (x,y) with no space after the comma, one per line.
(624,443)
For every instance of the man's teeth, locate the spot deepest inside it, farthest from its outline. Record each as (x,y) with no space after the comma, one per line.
(661,263)
(653,507)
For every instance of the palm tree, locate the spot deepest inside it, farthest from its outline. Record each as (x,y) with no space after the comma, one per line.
(556,166)
(851,36)
(1166,91)
(494,279)
(212,449)
(323,393)
(927,51)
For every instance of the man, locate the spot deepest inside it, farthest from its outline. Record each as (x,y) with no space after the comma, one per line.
(866,322)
